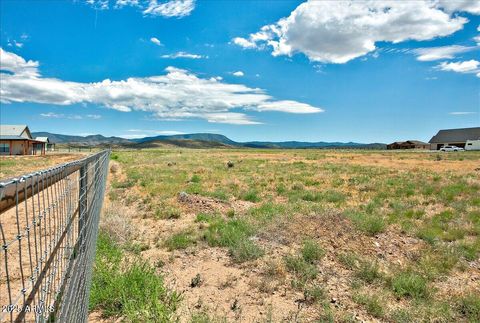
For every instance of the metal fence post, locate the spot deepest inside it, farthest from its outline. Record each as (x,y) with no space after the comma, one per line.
(82,205)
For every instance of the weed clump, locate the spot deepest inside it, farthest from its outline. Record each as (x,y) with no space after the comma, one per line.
(133,291)
(372,304)
(409,284)
(251,196)
(181,240)
(469,307)
(312,251)
(371,224)
(235,235)
(369,272)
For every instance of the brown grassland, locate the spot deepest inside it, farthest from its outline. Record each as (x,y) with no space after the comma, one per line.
(223,235)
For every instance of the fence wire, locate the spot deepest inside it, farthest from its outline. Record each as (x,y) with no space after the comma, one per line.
(48,231)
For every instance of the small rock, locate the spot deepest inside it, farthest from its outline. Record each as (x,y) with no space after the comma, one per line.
(234,305)
(196,281)
(230,164)
(333,300)
(183,197)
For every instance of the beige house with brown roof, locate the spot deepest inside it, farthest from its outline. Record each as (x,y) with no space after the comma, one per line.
(17,140)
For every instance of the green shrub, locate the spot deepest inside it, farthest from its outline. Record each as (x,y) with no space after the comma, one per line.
(438,261)
(267,211)
(469,307)
(167,212)
(372,304)
(470,250)
(181,240)
(314,294)
(369,272)
(327,196)
(312,251)
(132,291)
(227,233)
(251,196)
(409,284)
(334,196)
(298,266)
(349,260)
(371,224)
(429,233)
(245,250)
(195,179)
(233,234)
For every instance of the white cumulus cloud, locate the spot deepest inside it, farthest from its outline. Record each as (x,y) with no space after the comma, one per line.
(238,73)
(466,67)
(470,66)
(176,95)
(339,31)
(470,6)
(156,41)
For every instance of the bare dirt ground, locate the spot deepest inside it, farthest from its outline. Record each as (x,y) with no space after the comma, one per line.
(11,166)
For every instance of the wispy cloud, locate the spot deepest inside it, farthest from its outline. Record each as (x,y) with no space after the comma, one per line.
(462,113)
(142,133)
(14,43)
(168,9)
(173,8)
(158,132)
(442,52)
(52,115)
(124,3)
(176,95)
(183,55)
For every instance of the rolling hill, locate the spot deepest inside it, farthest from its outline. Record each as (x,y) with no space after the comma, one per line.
(196,140)
(87,140)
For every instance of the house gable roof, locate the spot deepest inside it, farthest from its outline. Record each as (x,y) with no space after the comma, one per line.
(409,142)
(44,139)
(417,142)
(456,135)
(14,130)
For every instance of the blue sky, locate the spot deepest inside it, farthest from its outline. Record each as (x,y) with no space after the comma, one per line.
(251,70)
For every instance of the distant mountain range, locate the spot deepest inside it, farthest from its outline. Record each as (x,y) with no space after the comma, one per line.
(92,140)
(194,140)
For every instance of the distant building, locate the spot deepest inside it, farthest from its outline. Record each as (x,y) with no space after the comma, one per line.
(17,140)
(49,146)
(454,137)
(409,144)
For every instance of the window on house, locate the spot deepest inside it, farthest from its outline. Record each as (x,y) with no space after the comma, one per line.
(4,148)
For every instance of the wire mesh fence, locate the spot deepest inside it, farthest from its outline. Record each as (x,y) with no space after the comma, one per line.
(48,230)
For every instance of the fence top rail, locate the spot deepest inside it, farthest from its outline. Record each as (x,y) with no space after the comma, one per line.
(17,189)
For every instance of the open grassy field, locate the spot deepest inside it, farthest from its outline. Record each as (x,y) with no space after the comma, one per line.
(286,235)
(290,235)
